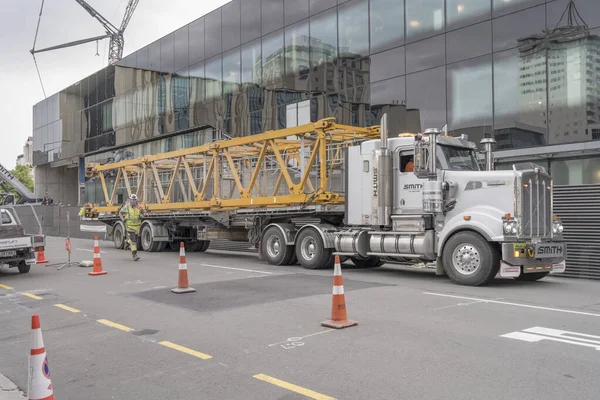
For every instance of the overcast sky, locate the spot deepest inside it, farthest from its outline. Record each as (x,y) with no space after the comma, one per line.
(64,21)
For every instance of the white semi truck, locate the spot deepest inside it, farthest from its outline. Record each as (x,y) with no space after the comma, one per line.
(304,194)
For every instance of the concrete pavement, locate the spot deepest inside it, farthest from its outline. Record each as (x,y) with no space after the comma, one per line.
(252,331)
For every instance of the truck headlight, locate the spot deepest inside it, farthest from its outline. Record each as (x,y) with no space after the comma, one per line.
(510,227)
(557,228)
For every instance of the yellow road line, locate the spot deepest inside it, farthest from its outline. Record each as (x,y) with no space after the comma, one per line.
(33,296)
(5,287)
(67,308)
(185,350)
(300,390)
(115,325)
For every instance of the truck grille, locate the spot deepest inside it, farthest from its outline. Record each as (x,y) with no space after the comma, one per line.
(536,205)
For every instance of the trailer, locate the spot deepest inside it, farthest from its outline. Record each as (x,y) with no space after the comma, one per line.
(304,194)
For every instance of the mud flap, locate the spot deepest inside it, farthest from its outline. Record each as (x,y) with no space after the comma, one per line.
(559,268)
(508,270)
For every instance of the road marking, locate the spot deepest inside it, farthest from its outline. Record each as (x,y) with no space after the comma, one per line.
(185,350)
(539,333)
(67,308)
(237,269)
(298,339)
(5,287)
(289,386)
(115,325)
(33,296)
(507,303)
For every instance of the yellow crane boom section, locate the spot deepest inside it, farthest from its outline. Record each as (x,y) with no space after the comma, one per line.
(271,169)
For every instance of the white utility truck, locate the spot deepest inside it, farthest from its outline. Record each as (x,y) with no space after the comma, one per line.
(17,249)
(304,194)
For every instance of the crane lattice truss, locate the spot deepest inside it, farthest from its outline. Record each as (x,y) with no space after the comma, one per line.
(264,170)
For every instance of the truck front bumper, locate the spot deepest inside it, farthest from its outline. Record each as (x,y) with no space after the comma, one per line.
(536,257)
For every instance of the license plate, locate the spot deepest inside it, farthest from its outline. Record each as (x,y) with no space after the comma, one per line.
(549,250)
(9,253)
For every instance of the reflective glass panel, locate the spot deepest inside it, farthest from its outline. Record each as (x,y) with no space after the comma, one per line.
(353,29)
(473,41)
(387,24)
(272,15)
(180,44)
(424,18)
(213,71)
(425,54)
(469,93)
(251,25)
(582,12)
(461,13)
(231,25)
(387,64)
(389,91)
(295,10)
(143,58)
(251,62)
(154,51)
(513,30)
(323,38)
(212,32)
(231,71)
(576,172)
(297,49)
(273,58)
(501,7)
(167,54)
(519,99)
(196,39)
(316,6)
(426,98)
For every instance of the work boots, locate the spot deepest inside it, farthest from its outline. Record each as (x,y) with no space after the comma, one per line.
(135,256)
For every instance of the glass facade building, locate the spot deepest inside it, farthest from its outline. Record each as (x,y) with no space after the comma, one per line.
(526,72)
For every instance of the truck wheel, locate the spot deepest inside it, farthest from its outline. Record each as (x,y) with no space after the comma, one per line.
(536,276)
(311,251)
(470,260)
(118,235)
(23,267)
(148,242)
(204,244)
(275,251)
(369,262)
(174,246)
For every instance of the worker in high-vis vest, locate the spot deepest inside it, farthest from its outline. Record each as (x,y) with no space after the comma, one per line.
(130,214)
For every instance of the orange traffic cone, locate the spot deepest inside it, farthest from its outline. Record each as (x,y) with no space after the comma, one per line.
(41,257)
(339,318)
(97,261)
(183,285)
(39,383)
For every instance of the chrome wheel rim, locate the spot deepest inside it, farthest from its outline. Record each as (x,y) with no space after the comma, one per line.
(273,246)
(466,259)
(146,239)
(308,248)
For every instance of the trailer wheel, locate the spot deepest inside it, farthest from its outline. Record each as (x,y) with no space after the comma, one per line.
(148,242)
(275,251)
(173,246)
(204,245)
(311,251)
(23,267)
(470,260)
(118,235)
(536,276)
(369,262)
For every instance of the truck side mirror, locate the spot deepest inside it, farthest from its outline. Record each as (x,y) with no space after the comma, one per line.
(421,161)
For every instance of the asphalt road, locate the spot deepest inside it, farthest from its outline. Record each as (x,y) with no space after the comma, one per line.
(252,331)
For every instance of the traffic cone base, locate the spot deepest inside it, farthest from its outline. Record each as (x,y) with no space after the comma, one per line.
(339,324)
(40,256)
(339,318)
(183,285)
(97,261)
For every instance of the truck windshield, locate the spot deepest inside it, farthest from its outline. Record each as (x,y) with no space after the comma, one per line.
(459,158)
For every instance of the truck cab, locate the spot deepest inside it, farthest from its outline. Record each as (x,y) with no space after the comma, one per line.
(474,223)
(17,249)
